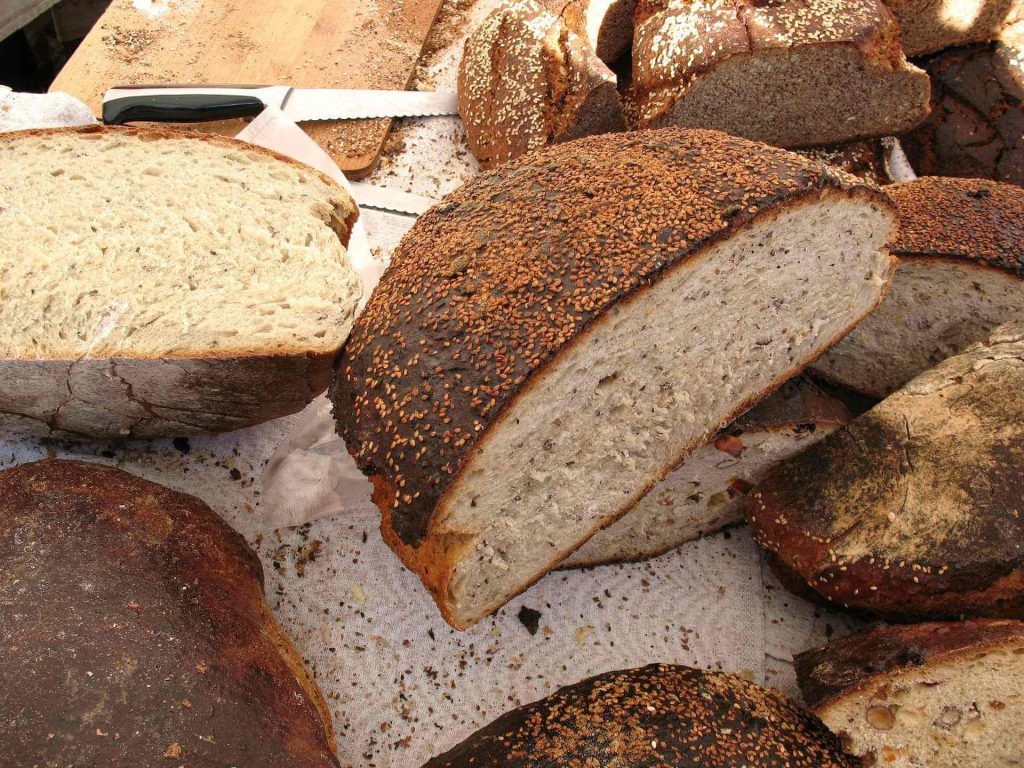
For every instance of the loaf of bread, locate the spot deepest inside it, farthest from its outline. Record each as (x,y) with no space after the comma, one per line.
(937,694)
(793,73)
(134,632)
(930,25)
(868,159)
(659,715)
(976,126)
(155,283)
(705,493)
(606,25)
(552,338)
(526,80)
(916,508)
(961,273)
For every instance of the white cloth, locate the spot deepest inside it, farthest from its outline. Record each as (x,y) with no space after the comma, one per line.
(20,111)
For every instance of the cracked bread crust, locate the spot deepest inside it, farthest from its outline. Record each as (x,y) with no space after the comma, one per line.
(915,509)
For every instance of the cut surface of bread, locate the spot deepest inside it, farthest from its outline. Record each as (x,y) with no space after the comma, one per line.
(930,25)
(606,25)
(793,73)
(916,508)
(961,273)
(705,493)
(562,352)
(526,80)
(924,694)
(659,715)
(134,631)
(157,283)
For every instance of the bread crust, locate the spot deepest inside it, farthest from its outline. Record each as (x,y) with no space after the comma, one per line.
(196,391)
(925,26)
(867,659)
(164,633)
(661,714)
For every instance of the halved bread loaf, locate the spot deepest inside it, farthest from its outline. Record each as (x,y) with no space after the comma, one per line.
(961,273)
(705,493)
(552,338)
(938,694)
(916,509)
(659,715)
(154,283)
(793,73)
(606,25)
(930,25)
(134,632)
(526,80)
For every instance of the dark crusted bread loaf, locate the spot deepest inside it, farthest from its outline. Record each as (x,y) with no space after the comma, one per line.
(923,694)
(916,509)
(606,25)
(868,159)
(134,632)
(552,338)
(659,715)
(976,126)
(526,80)
(930,25)
(793,73)
(961,273)
(706,492)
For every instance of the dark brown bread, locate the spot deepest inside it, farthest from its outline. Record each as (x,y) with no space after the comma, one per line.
(606,25)
(659,715)
(976,126)
(916,509)
(930,25)
(864,159)
(134,632)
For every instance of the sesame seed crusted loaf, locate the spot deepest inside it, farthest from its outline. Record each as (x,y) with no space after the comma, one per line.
(705,493)
(156,283)
(961,273)
(976,126)
(914,510)
(923,694)
(930,25)
(526,80)
(134,632)
(659,715)
(793,73)
(550,340)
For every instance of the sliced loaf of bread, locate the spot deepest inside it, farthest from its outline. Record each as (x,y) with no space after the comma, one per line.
(154,283)
(930,25)
(555,336)
(923,694)
(526,80)
(793,73)
(659,715)
(705,493)
(961,273)
(916,508)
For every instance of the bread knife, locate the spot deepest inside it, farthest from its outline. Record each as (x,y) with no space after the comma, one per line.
(202,103)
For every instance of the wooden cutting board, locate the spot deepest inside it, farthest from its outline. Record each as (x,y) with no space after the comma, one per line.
(303,43)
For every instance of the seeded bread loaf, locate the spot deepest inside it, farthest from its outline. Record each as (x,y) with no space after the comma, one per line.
(606,25)
(923,694)
(868,159)
(154,283)
(705,493)
(915,509)
(549,340)
(927,26)
(961,273)
(526,80)
(134,632)
(793,73)
(976,126)
(659,715)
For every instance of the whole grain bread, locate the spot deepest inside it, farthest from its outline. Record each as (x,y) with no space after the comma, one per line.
(961,273)
(793,73)
(526,80)
(156,283)
(659,715)
(927,26)
(705,493)
(923,694)
(549,340)
(915,509)
(134,631)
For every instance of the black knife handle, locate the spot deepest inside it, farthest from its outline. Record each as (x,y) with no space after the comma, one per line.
(179,108)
